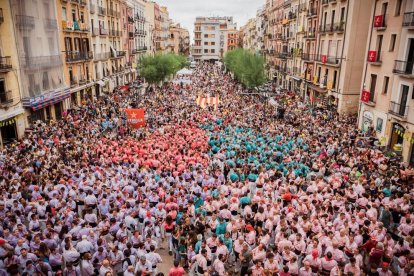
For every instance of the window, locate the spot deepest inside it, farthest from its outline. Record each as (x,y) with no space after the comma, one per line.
(372,87)
(379,124)
(73,15)
(82,17)
(64,15)
(379,47)
(386,81)
(45,81)
(205,35)
(335,76)
(205,51)
(205,43)
(398,7)
(3,94)
(213,43)
(392,42)
(213,51)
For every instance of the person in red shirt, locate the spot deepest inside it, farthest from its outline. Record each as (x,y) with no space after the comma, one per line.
(177,270)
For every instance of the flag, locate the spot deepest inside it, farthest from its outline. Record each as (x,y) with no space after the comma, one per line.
(135,117)
(203,102)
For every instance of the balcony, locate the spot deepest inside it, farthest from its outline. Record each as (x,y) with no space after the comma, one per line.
(404,68)
(312,12)
(102,56)
(103,31)
(339,27)
(75,56)
(101,11)
(330,60)
(308,57)
(92,8)
(25,22)
(5,64)
(408,20)
(50,24)
(73,82)
(1,16)
(398,110)
(324,29)
(6,97)
(95,31)
(42,61)
(310,35)
(82,81)
(374,58)
(325,2)
(120,53)
(75,26)
(379,23)
(292,15)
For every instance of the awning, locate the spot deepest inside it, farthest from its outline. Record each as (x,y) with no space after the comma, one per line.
(50,102)
(101,83)
(318,89)
(12,113)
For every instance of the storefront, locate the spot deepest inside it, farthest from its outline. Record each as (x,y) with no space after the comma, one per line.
(397,137)
(48,106)
(12,125)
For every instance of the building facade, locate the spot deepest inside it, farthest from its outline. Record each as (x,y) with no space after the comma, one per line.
(211,37)
(388,78)
(179,40)
(12,114)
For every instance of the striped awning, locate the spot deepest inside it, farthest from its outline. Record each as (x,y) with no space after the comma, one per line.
(50,102)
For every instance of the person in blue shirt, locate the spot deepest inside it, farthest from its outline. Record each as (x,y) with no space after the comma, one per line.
(221,226)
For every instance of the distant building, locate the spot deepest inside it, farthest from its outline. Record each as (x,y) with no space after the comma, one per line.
(179,40)
(211,37)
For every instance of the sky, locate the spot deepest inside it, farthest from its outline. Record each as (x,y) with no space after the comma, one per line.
(185,11)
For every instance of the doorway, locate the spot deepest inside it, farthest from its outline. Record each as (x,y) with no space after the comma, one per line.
(8,133)
(397,135)
(410,57)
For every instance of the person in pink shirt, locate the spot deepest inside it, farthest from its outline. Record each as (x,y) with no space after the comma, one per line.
(177,270)
(352,267)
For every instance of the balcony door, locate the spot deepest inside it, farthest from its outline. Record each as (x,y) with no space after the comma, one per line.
(403,100)
(410,57)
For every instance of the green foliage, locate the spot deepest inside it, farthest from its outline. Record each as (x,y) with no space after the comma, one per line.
(158,68)
(246,66)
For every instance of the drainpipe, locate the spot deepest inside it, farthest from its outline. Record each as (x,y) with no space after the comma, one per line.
(366,63)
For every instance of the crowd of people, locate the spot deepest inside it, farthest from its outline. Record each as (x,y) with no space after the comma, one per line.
(226,191)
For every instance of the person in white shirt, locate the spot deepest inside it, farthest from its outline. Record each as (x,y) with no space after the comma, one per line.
(85,246)
(218,265)
(144,267)
(306,270)
(86,266)
(154,258)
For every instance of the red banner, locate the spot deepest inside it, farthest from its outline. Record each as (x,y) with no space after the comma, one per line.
(365,95)
(324,58)
(135,117)
(372,56)
(378,21)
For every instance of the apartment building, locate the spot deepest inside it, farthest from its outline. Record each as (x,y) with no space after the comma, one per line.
(211,37)
(165,29)
(139,45)
(12,114)
(42,83)
(179,40)
(250,35)
(388,78)
(315,49)
(75,42)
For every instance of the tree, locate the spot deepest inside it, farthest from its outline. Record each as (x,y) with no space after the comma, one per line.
(246,66)
(158,68)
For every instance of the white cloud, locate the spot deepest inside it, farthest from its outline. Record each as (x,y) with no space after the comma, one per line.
(185,11)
